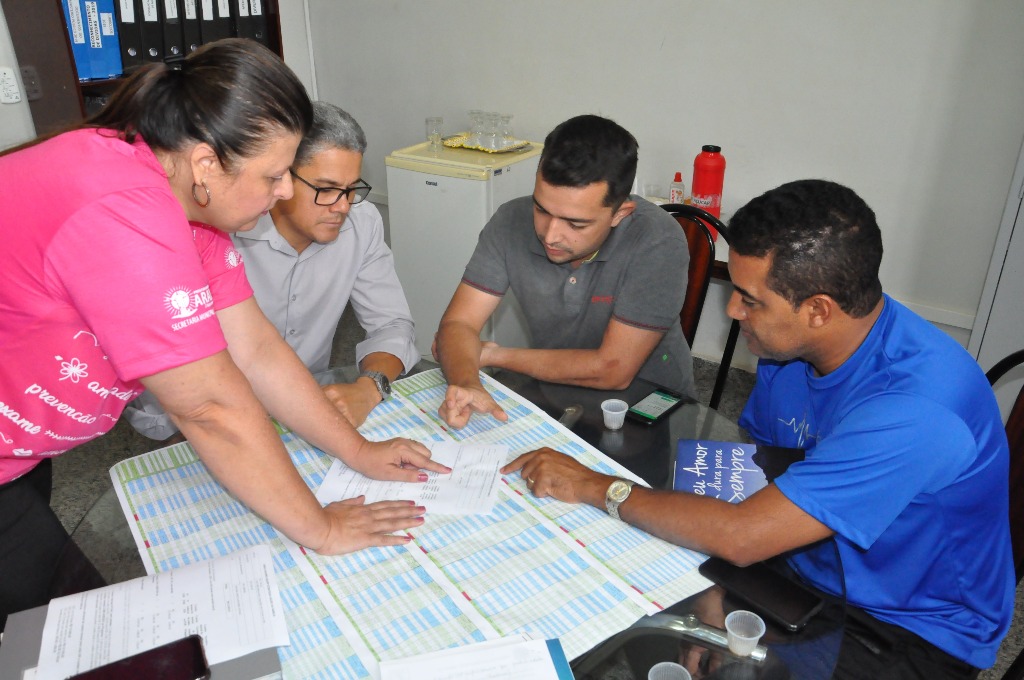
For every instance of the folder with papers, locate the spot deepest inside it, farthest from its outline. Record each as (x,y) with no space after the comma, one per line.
(251,20)
(147,13)
(215,20)
(173,35)
(92,31)
(189,11)
(129,35)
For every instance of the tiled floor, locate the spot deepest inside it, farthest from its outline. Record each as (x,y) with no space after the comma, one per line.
(81,475)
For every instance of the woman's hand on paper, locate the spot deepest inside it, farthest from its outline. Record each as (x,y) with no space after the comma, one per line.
(355,525)
(397,460)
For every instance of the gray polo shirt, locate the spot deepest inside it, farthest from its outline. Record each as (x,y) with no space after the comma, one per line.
(637,278)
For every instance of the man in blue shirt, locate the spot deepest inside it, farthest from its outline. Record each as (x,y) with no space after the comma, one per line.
(906,457)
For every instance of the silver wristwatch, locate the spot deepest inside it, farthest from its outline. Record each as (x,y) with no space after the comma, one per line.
(616,495)
(381,381)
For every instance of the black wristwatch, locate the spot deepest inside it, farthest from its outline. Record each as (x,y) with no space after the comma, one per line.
(381,381)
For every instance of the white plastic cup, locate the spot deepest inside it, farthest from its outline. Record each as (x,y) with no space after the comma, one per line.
(667,670)
(614,411)
(743,630)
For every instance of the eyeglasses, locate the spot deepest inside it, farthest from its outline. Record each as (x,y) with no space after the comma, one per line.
(331,195)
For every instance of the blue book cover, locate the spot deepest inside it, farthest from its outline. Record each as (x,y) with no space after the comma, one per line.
(730,471)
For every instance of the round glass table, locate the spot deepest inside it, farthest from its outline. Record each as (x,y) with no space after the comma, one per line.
(689,632)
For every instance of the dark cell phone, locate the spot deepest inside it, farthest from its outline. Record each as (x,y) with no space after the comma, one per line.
(654,406)
(182,659)
(769,593)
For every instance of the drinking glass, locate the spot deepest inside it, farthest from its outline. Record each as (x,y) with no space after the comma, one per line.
(508,138)
(434,128)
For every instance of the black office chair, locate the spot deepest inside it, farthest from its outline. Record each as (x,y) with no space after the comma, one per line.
(1015,435)
(695,223)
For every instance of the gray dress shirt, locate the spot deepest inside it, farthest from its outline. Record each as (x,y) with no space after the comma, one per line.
(304,295)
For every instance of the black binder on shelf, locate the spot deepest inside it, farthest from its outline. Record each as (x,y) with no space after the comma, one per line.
(147,13)
(215,20)
(189,12)
(173,35)
(250,20)
(129,34)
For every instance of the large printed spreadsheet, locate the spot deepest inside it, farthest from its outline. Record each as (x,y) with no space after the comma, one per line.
(540,566)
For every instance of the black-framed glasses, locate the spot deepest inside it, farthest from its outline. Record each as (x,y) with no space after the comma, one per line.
(356,193)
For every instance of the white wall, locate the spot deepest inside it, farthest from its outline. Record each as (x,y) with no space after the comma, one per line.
(917,105)
(295,41)
(15,119)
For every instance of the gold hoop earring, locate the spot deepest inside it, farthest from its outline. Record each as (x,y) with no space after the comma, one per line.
(195,196)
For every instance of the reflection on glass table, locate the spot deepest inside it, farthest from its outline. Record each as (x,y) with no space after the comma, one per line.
(691,633)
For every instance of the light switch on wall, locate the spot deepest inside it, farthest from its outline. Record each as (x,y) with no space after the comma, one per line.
(10,93)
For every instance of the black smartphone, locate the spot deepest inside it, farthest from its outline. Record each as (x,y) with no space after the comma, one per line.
(654,406)
(182,659)
(769,593)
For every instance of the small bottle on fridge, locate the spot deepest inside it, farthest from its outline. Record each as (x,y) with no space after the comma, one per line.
(708,176)
(677,190)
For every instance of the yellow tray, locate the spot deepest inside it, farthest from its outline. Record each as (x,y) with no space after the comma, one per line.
(459,141)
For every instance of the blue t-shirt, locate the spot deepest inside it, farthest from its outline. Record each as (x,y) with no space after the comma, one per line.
(907,462)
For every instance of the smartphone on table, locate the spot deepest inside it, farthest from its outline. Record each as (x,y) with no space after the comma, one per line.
(654,407)
(183,659)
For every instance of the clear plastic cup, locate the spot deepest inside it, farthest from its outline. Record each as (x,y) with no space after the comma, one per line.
(614,411)
(434,131)
(668,670)
(743,630)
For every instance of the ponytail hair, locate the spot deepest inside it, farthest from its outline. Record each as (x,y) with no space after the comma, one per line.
(233,94)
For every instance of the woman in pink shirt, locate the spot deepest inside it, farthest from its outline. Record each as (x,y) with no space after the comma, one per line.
(119,276)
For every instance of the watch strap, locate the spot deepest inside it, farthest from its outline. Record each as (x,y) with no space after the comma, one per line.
(381,381)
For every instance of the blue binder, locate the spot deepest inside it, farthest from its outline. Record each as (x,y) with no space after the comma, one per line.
(92,30)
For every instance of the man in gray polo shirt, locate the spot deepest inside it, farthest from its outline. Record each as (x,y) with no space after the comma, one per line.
(600,276)
(310,257)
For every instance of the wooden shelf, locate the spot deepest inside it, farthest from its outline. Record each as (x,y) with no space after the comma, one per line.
(42,46)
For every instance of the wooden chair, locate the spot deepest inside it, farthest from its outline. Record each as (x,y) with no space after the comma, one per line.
(695,223)
(1015,435)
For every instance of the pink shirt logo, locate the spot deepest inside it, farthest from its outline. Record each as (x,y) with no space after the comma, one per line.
(183,303)
(232,258)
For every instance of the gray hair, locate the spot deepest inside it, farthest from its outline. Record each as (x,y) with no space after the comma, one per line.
(332,129)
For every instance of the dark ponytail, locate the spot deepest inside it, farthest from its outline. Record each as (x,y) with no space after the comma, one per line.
(234,94)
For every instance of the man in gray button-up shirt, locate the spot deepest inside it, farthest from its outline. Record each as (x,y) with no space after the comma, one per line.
(310,257)
(600,276)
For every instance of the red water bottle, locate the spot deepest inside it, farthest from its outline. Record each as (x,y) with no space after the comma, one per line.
(708,176)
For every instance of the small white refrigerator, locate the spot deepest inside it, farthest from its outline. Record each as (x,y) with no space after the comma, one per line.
(437,204)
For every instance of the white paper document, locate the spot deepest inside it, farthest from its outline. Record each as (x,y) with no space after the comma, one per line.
(508,658)
(470,489)
(232,601)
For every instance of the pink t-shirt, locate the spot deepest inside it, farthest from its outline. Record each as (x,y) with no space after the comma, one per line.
(105,281)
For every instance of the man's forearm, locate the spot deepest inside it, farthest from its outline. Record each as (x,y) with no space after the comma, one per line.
(458,349)
(583,367)
(382,362)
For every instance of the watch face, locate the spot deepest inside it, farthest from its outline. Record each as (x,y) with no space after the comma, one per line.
(618,491)
(385,384)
